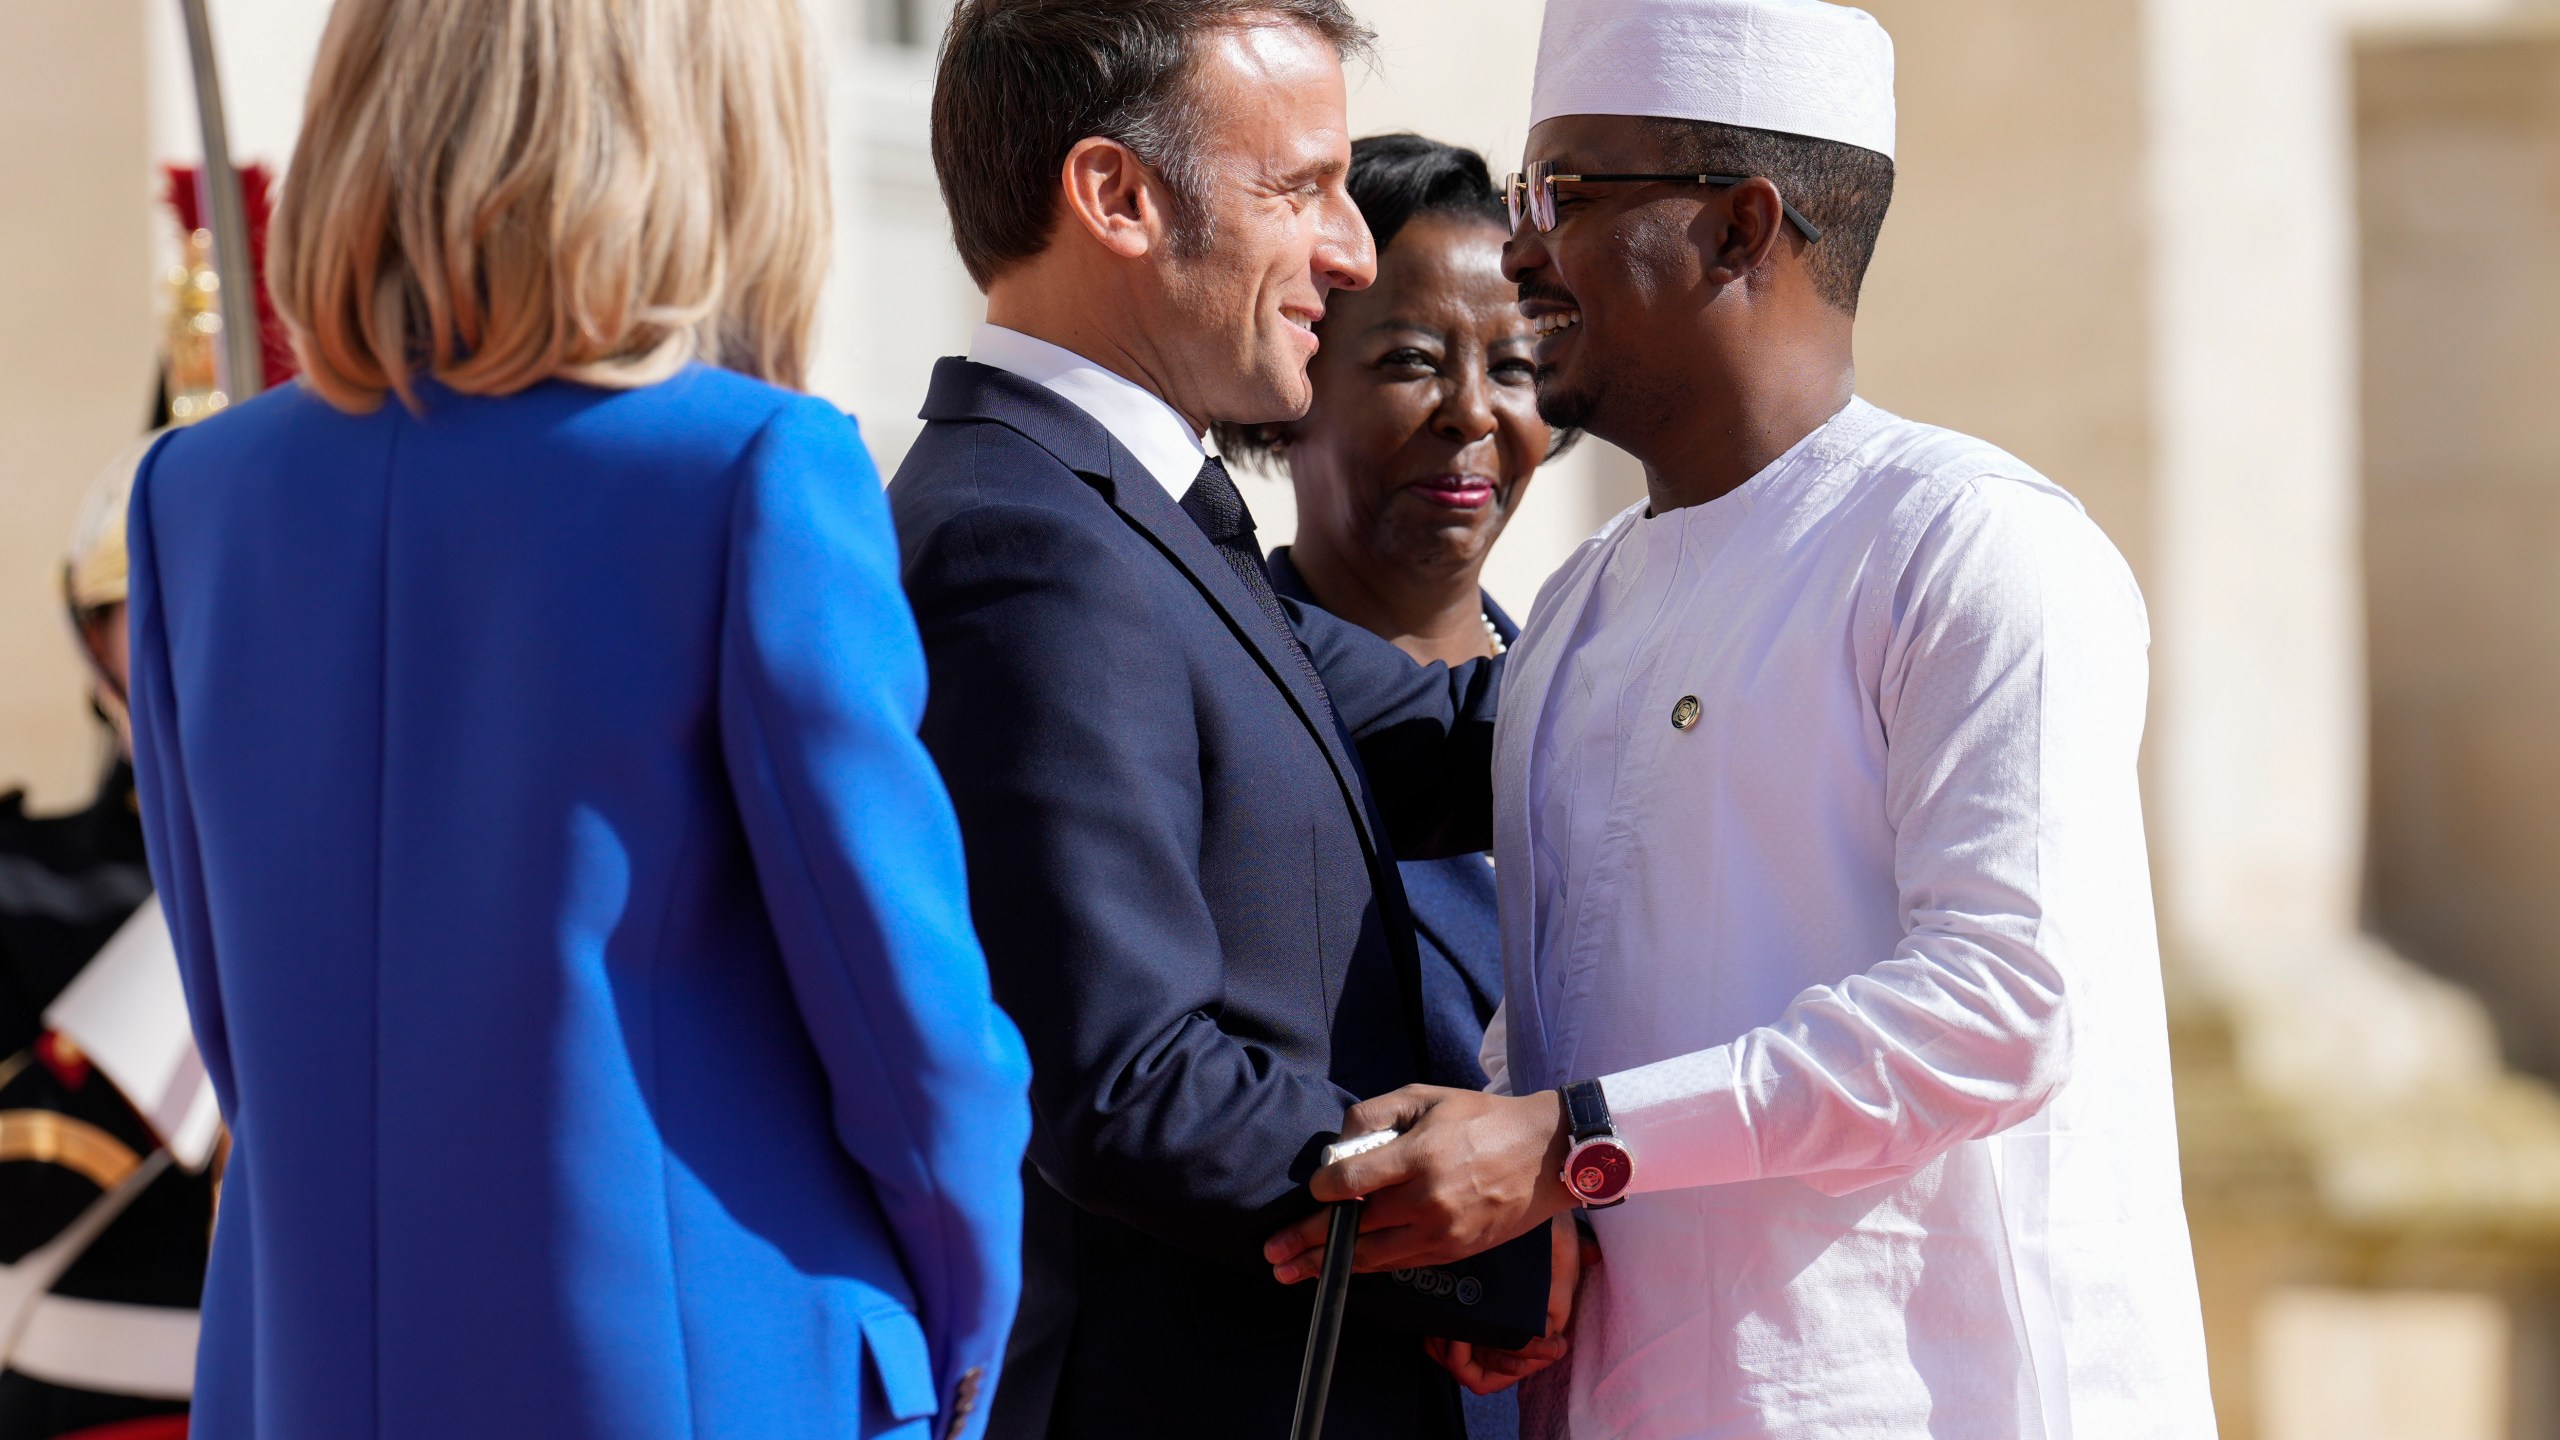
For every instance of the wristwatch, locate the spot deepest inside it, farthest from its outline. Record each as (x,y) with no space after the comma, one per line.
(1598,1167)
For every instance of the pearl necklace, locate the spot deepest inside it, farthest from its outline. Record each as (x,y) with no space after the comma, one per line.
(1493,633)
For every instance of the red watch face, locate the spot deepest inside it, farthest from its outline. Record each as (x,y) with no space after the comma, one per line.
(1598,1170)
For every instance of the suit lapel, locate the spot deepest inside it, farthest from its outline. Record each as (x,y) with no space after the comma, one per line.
(1145,505)
(965,390)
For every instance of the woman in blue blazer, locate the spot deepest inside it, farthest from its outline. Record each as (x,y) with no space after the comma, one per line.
(573,925)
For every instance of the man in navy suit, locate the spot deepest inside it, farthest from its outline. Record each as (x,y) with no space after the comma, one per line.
(1182,798)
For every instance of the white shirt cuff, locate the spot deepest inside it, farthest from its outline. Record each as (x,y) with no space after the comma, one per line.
(1684,1121)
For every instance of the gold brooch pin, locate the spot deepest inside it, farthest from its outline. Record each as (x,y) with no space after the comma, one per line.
(1685,714)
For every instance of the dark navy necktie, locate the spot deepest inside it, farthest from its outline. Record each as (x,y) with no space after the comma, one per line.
(1214,504)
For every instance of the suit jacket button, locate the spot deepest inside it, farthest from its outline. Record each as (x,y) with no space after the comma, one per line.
(1685,714)
(964,1398)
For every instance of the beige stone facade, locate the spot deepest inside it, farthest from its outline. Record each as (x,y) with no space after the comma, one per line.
(2459,164)
(76,347)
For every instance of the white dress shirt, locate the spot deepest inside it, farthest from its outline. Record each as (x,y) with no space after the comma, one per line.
(1137,417)
(1863,955)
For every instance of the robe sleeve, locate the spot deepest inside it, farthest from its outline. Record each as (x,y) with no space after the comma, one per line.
(161,789)
(1425,733)
(1494,1055)
(858,854)
(2011,693)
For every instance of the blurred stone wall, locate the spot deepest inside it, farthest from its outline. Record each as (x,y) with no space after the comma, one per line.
(2460,199)
(76,339)
(2008,296)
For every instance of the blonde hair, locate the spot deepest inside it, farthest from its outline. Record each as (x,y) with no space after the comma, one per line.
(504,191)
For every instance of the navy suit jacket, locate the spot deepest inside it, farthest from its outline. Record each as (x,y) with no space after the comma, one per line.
(1186,890)
(573,927)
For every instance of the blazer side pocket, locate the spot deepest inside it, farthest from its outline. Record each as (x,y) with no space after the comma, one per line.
(901,1363)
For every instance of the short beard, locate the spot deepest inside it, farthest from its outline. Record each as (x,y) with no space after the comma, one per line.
(1561,408)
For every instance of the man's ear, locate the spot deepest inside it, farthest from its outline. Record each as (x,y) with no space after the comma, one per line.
(1742,235)
(1112,195)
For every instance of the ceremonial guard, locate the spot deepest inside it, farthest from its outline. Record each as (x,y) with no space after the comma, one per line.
(108,1131)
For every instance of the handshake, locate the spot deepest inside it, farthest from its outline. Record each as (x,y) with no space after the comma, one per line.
(1465,1171)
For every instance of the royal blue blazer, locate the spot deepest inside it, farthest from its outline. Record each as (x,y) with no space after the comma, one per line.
(573,925)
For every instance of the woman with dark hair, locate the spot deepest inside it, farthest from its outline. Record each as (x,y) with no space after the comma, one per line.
(1416,451)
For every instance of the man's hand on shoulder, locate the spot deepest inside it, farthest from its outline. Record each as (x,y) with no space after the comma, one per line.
(1468,1172)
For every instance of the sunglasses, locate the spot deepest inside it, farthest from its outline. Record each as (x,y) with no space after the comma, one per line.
(1534,194)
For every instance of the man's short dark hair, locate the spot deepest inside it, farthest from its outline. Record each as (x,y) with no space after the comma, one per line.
(1844,189)
(1022,81)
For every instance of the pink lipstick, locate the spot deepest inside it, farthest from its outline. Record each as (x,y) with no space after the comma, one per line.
(1456,492)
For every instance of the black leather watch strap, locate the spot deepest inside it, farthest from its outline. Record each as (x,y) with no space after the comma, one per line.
(1586,1110)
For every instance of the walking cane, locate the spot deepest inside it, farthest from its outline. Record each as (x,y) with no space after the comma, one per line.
(1333,1291)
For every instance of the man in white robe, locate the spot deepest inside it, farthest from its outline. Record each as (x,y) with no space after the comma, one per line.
(1818,829)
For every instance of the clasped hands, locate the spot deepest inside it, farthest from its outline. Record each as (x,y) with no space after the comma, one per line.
(1468,1172)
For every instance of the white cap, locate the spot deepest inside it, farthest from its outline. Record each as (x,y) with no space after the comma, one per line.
(1799,66)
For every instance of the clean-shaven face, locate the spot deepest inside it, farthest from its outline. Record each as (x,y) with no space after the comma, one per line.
(1283,232)
(1613,292)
